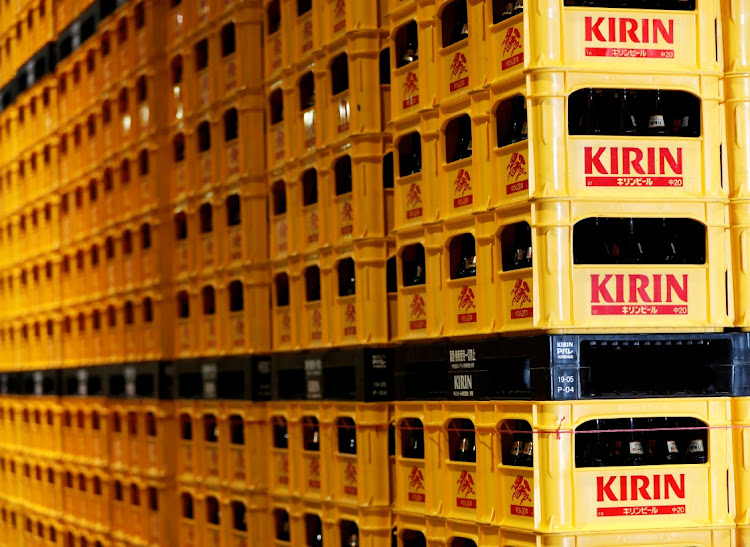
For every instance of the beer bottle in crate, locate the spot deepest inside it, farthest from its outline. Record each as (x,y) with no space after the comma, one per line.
(507,11)
(464,144)
(599,456)
(460,22)
(670,450)
(592,116)
(414,447)
(516,450)
(657,120)
(635,455)
(313,442)
(628,116)
(519,120)
(347,440)
(696,451)
(467,448)
(282,526)
(411,52)
(518,7)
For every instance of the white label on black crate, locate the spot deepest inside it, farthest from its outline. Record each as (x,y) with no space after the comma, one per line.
(313,389)
(209,373)
(313,374)
(129,375)
(463,385)
(38,383)
(565,350)
(264,367)
(379,361)
(463,382)
(380,389)
(313,365)
(83,386)
(463,358)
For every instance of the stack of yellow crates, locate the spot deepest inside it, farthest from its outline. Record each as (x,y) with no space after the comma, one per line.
(330,188)
(491,248)
(132,178)
(736,102)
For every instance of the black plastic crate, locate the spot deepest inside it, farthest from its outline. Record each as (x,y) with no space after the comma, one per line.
(361,374)
(34,383)
(35,69)
(297,376)
(7,95)
(75,34)
(572,367)
(84,381)
(195,378)
(147,380)
(364,374)
(11,383)
(245,378)
(242,378)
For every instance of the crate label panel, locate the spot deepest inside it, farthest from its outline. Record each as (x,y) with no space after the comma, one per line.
(631,39)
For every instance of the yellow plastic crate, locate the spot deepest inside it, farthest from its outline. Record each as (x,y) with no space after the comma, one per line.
(241,154)
(737,92)
(239,69)
(85,422)
(306,521)
(524,498)
(739,220)
(461,173)
(413,85)
(461,59)
(308,289)
(190,433)
(303,31)
(244,426)
(283,449)
(339,18)
(42,437)
(280,134)
(139,431)
(411,528)
(246,521)
(530,41)
(284,326)
(11,63)
(521,290)
(699,537)
(37,529)
(415,163)
(372,526)
(350,79)
(610,166)
(242,294)
(357,199)
(310,452)
(276,21)
(281,202)
(10,468)
(359,312)
(309,110)
(279,518)
(359,479)
(740,434)
(734,26)
(187,527)
(9,523)
(307,190)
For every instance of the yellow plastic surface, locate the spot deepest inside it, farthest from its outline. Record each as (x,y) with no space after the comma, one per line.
(561,498)
(558,295)
(361,479)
